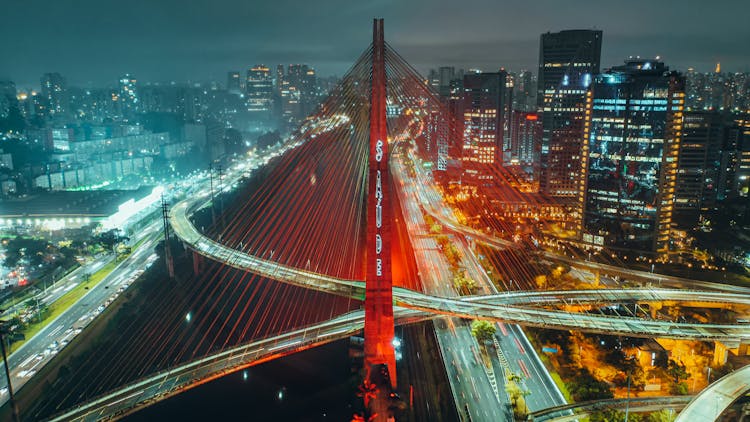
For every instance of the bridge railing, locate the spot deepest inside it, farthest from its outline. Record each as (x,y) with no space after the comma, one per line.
(671,402)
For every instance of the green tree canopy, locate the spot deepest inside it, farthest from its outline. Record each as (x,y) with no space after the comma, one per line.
(664,415)
(482,330)
(584,386)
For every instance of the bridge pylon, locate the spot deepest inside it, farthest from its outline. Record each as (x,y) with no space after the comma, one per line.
(379,331)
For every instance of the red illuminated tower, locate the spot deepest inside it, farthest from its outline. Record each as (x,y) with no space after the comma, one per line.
(378,293)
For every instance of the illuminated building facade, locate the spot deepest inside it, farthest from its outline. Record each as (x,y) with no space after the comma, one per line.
(567,62)
(526,132)
(297,91)
(699,162)
(436,141)
(483,108)
(741,139)
(524,92)
(128,97)
(55,94)
(259,90)
(633,132)
(302,78)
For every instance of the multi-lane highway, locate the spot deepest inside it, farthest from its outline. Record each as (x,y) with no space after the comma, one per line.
(513,350)
(41,349)
(478,391)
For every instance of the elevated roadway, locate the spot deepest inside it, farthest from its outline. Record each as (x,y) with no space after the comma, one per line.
(165,384)
(583,409)
(717,397)
(512,313)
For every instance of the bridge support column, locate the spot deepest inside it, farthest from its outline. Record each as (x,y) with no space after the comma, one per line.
(197,263)
(721,353)
(379,331)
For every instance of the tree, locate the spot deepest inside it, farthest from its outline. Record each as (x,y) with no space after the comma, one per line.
(613,415)
(34,250)
(513,377)
(664,415)
(541,281)
(679,389)
(517,396)
(464,285)
(483,331)
(677,371)
(559,338)
(109,239)
(584,386)
(514,392)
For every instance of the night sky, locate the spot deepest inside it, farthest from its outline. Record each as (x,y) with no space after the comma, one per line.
(92,42)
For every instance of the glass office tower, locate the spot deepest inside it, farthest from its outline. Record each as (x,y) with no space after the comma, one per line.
(632,131)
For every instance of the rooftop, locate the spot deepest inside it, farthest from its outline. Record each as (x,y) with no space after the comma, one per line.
(99,203)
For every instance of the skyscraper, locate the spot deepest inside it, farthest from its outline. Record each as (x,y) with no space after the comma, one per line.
(298,92)
(567,62)
(445,75)
(742,168)
(633,132)
(55,94)
(699,162)
(234,82)
(526,130)
(7,98)
(433,80)
(259,89)
(302,78)
(129,102)
(524,92)
(483,106)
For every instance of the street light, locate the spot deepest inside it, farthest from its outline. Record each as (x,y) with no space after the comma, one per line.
(627,400)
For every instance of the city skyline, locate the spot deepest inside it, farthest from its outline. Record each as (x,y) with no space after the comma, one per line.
(91,45)
(472,242)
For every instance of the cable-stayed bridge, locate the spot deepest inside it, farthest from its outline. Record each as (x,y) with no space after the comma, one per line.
(315,220)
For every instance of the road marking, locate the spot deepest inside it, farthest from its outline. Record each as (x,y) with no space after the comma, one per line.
(524,369)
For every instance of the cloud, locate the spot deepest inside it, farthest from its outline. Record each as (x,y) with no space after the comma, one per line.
(96,40)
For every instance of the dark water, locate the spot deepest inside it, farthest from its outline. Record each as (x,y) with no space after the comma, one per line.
(314,386)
